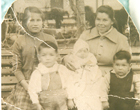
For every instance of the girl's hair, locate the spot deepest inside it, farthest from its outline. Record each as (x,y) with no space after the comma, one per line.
(121,55)
(109,11)
(26,14)
(48,44)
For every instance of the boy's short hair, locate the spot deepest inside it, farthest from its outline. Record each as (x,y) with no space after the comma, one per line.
(122,55)
(48,44)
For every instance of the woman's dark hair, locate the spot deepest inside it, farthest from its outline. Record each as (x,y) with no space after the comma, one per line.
(106,9)
(122,55)
(109,11)
(48,44)
(90,16)
(26,14)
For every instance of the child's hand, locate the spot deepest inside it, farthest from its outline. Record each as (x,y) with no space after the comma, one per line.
(138,102)
(137,105)
(69,62)
(70,104)
(105,105)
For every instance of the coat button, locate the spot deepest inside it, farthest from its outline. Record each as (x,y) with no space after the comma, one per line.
(101,45)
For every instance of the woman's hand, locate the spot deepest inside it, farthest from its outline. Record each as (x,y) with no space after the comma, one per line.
(70,104)
(24,84)
(105,105)
(69,62)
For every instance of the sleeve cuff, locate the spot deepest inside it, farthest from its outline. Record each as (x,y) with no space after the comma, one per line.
(19,75)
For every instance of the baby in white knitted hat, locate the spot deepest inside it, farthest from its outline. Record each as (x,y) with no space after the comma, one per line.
(87,77)
(82,54)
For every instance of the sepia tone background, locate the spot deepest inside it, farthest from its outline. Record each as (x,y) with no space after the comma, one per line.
(72,18)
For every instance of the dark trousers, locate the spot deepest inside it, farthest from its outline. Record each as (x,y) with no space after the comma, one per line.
(121,104)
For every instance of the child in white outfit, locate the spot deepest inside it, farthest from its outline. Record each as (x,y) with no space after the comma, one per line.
(87,78)
(48,85)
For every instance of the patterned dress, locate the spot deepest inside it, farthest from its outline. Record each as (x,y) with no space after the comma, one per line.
(24,62)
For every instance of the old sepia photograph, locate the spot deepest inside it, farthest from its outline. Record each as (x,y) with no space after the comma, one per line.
(69,55)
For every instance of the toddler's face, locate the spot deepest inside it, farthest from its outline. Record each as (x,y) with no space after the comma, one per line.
(82,53)
(47,56)
(121,67)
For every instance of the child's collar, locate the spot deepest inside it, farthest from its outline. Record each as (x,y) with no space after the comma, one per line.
(113,71)
(43,69)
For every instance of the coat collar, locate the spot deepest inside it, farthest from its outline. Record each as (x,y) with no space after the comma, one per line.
(112,35)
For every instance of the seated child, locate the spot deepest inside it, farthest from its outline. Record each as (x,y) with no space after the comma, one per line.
(87,78)
(48,85)
(121,84)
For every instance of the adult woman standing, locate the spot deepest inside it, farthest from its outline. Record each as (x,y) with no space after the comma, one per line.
(25,51)
(104,40)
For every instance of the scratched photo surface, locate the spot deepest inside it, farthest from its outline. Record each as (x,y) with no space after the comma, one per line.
(69,55)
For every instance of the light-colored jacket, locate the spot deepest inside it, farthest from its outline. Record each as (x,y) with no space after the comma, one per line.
(35,86)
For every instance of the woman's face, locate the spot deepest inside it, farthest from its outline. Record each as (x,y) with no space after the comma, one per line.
(103,22)
(34,23)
